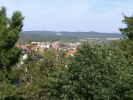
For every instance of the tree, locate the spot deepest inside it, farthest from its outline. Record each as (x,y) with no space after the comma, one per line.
(94,73)
(128,31)
(126,44)
(9,53)
(49,60)
(9,33)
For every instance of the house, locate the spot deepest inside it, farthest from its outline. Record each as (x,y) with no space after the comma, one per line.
(37,58)
(71,52)
(43,45)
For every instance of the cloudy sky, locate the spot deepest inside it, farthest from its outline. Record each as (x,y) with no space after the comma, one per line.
(71,15)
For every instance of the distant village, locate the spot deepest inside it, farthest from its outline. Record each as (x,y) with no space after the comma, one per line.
(70,49)
(41,46)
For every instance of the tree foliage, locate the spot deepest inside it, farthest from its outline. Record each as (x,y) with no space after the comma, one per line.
(9,53)
(94,73)
(9,33)
(128,31)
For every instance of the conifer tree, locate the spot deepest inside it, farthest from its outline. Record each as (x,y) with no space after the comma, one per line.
(9,33)
(128,31)
(9,53)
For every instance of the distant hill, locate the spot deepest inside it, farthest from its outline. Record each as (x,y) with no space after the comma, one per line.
(90,34)
(51,36)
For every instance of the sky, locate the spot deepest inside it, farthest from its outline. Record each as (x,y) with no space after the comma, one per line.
(71,15)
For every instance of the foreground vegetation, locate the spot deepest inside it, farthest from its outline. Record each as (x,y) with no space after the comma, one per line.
(95,72)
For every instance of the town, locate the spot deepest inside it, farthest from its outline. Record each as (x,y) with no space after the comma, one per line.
(40,47)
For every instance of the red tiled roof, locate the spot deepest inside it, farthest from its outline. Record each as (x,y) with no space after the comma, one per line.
(71,52)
